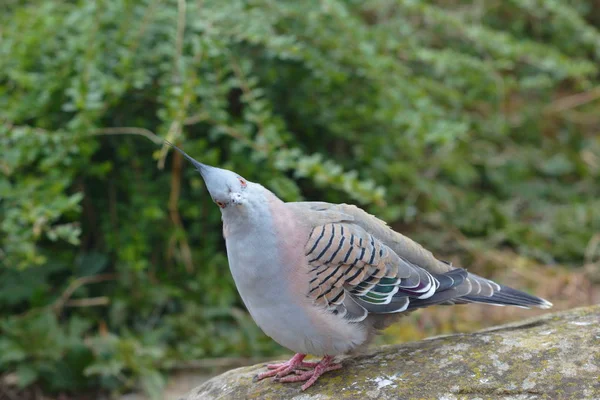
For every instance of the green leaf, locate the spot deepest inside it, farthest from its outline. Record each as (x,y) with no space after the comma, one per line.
(153,384)
(26,375)
(10,352)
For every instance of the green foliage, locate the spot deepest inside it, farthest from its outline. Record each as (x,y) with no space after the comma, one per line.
(43,350)
(445,115)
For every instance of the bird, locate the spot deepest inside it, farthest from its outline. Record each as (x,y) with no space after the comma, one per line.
(324,279)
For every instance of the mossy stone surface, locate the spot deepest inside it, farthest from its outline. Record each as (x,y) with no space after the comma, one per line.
(556,356)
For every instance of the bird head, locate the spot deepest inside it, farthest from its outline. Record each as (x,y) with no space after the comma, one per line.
(225,187)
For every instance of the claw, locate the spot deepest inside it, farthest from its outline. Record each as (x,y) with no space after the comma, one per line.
(286,368)
(311,377)
(294,370)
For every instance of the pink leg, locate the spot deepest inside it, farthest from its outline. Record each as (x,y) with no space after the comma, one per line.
(301,365)
(287,367)
(326,364)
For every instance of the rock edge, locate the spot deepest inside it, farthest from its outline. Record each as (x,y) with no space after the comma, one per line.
(556,356)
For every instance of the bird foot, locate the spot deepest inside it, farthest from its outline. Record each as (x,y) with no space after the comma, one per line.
(302,365)
(288,367)
(325,365)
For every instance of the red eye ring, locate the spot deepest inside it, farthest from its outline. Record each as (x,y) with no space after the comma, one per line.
(242,182)
(220,204)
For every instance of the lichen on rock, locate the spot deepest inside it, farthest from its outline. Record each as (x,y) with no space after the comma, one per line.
(556,356)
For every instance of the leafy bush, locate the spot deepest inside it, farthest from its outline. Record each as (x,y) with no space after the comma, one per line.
(440,117)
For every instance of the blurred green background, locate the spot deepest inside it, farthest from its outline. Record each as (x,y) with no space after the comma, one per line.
(471,126)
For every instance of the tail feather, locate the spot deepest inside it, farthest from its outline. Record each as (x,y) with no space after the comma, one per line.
(460,287)
(510,297)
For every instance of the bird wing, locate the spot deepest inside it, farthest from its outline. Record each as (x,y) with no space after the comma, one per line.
(358,265)
(402,245)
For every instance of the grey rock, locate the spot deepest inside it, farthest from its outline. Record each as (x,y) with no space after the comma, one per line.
(556,356)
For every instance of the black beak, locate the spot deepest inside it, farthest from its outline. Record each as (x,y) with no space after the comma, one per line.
(199,166)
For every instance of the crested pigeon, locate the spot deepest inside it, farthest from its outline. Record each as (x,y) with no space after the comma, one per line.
(322,279)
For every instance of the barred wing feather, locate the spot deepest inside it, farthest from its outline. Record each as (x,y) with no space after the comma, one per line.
(353,273)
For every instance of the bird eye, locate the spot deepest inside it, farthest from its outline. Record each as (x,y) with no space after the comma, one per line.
(242,182)
(220,204)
